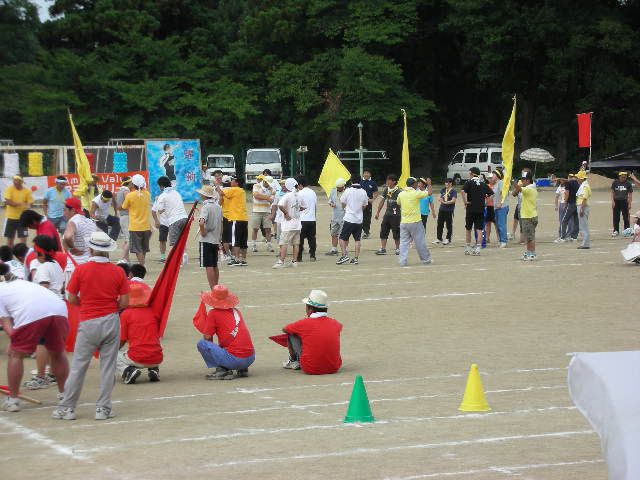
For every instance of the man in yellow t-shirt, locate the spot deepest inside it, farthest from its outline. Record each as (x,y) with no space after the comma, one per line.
(583,200)
(18,198)
(234,209)
(138,203)
(528,212)
(411,228)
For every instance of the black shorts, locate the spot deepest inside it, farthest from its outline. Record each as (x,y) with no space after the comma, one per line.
(390,223)
(239,233)
(12,226)
(490,215)
(474,220)
(208,254)
(163,233)
(351,229)
(226,230)
(516,214)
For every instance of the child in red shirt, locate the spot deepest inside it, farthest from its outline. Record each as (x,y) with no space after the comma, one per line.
(314,341)
(234,353)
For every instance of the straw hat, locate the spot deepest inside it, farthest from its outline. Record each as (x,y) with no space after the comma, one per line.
(207,191)
(139,294)
(219,297)
(101,242)
(316,298)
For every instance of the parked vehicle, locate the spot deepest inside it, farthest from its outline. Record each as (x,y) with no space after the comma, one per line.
(260,158)
(219,161)
(486,157)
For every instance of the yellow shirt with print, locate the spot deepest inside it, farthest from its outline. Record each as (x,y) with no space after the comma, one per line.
(584,194)
(234,206)
(22,196)
(138,203)
(409,201)
(529,209)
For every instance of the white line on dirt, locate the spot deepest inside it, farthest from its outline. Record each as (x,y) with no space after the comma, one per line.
(510,470)
(397,448)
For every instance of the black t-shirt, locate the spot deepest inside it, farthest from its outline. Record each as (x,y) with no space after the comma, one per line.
(572,187)
(476,191)
(369,186)
(621,190)
(393,209)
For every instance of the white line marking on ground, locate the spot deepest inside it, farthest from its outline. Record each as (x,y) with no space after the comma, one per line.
(510,470)
(397,448)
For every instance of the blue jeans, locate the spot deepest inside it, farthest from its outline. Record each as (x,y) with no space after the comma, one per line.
(216,356)
(501,222)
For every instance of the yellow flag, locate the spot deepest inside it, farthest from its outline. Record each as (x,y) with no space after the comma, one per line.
(332,170)
(508,146)
(82,163)
(406,168)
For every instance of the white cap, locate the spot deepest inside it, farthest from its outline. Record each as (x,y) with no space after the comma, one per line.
(267,179)
(226,178)
(139,181)
(290,184)
(341,182)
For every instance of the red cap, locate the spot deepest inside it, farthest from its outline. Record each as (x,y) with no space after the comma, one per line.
(74,204)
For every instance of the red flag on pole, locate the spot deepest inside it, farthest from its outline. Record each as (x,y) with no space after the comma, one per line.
(584,130)
(162,293)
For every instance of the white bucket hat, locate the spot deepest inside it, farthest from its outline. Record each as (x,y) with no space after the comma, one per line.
(101,242)
(316,298)
(341,182)
(139,181)
(290,184)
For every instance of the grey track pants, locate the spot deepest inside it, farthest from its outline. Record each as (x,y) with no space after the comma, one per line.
(103,334)
(413,231)
(583,223)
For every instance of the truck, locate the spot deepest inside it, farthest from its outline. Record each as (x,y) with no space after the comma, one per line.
(219,161)
(258,159)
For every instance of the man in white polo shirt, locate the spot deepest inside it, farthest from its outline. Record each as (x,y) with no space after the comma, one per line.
(30,313)
(100,205)
(263,195)
(290,205)
(170,209)
(354,200)
(308,218)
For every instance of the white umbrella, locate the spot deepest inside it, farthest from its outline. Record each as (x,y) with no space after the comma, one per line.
(537,155)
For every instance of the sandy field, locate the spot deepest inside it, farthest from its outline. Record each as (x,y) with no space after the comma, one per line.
(412,333)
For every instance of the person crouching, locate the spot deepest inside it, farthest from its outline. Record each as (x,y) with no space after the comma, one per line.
(314,341)
(234,353)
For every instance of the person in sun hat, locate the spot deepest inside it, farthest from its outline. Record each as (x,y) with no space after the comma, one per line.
(101,289)
(337,216)
(210,229)
(18,198)
(234,353)
(314,341)
(138,203)
(621,197)
(139,329)
(583,202)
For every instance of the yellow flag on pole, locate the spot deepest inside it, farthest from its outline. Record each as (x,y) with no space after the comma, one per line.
(406,167)
(82,162)
(332,170)
(508,147)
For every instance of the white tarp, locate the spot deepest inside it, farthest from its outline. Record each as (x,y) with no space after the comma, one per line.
(11,166)
(605,386)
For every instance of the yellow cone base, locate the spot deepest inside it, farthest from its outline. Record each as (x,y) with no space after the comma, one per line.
(474,399)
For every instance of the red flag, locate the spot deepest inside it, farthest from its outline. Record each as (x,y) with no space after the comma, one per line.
(282,339)
(200,320)
(584,130)
(162,293)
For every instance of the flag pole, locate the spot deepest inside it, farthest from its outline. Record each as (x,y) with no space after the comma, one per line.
(590,136)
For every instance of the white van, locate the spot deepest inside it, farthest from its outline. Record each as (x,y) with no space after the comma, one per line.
(486,157)
(219,161)
(260,158)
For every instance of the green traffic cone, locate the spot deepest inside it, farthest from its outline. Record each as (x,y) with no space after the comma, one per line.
(359,409)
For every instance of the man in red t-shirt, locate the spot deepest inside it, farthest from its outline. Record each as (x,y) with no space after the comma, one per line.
(102,290)
(234,353)
(42,226)
(139,328)
(314,341)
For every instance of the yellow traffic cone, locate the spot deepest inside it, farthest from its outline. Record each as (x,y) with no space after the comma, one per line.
(473,400)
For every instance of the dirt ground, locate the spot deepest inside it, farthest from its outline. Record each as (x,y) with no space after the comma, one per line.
(412,333)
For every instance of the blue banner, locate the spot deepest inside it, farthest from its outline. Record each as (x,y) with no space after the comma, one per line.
(180,161)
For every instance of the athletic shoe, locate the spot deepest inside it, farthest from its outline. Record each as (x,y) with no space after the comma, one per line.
(312,259)
(104,413)
(332,252)
(559,240)
(60,396)
(467,250)
(342,259)
(446,241)
(36,383)
(279,264)
(294,264)
(231,375)
(130,374)
(291,365)
(254,248)
(154,374)
(235,263)
(532,257)
(583,247)
(427,262)
(354,261)
(381,251)
(525,256)
(162,259)
(241,263)
(475,251)
(502,245)
(218,374)
(269,247)
(510,236)
(62,413)
(436,242)
(11,404)
(232,261)
(615,234)
(50,378)
(571,239)
(242,373)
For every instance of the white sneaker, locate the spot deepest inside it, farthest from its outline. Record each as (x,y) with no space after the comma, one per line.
(475,251)
(279,264)
(269,247)
(62,413)
(11,404)
(559,240)
(502,245)
(104,413)
(436,242)
(254,248)
(291,365)
(510,236)
(446,241)
(294,264)
(615,234)
(467,250)
(36,383)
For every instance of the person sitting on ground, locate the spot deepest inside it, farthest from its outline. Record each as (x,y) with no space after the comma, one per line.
(234,353)
(42,226)
(139,328)
(314,341)
(137,273)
